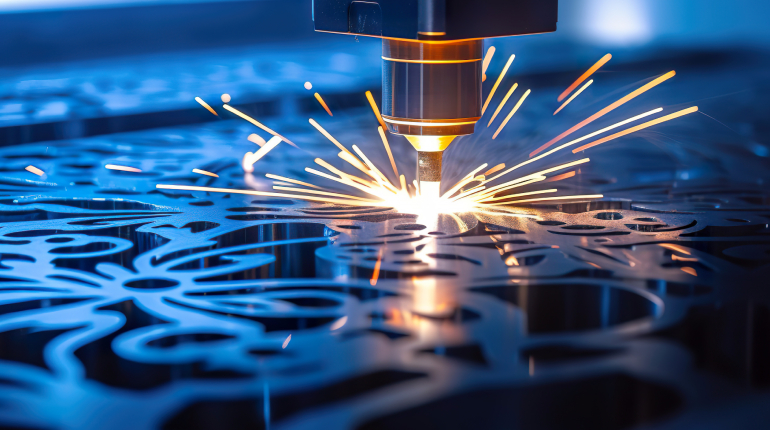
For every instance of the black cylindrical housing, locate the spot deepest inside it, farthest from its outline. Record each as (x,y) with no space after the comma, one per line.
(431,89)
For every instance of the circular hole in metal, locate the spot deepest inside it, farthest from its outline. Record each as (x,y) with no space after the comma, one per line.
(609,216)
(59,240)
(151,284)
(550,222)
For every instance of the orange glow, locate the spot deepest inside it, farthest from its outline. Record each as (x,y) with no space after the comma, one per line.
(497,168)
(510,115)
(628,131)
(594,264)
(672,247)
(511,261)
(387,148)
(203,172)
(675,257)
(502,103)
(375,109)
(258,124)
(689,271)
(497,83)
(485,64)
(323,103)
(606,110)
(398,60)
(122,168)
(35,170)
(574,95)
(585,76)
(560,177)
(206,105)
(376,273)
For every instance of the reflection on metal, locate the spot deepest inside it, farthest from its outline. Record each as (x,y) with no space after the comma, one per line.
(169,307)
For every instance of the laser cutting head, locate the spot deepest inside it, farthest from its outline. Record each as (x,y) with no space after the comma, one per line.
(432,58)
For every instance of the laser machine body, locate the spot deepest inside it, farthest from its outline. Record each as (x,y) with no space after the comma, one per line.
(432,61)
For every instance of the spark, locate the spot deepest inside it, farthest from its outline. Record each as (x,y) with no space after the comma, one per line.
(322,193)
(585,76)
(510,115)
(203,172)
(255,138)
(606,110)
(689,271)
(584,196)
(258,124)
(323,103)
(529,193)
(387,148)
(497,168)
(264,194)
(339,323)
(122,168)
(675,257)
(485,63)
(250,158)
(375,110)
(634,129)
(226,98)
(502,103)
(560,177)
(206,105)
(293,181)
(328,136)
(588,136)
(308,86)
(35,170)
(286,342)
(574,95)
(540,173)
(376,272)
(497,83)
(673,247)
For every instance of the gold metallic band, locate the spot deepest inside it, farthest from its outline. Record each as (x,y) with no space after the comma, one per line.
(431,61)
(432,33)
(432,122)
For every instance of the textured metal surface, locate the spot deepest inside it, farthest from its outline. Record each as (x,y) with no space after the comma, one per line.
(123,306)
